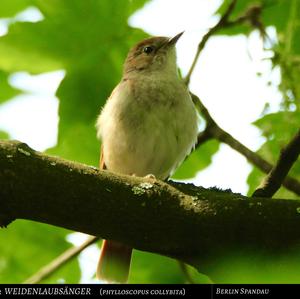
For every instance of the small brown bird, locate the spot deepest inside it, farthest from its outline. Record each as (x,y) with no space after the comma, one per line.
(148,126)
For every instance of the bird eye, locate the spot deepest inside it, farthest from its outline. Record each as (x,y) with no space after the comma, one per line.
(148,49)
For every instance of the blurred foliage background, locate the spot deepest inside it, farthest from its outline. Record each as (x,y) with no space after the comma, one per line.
(89,40)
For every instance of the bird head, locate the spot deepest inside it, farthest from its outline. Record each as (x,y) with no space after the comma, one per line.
(152,55)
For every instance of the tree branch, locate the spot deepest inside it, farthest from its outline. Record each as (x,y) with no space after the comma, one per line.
(214,131)
(276,176)
(177,220)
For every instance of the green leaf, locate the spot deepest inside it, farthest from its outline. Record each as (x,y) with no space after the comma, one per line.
(254,179)
(279,128)
(3,135)
(153,268)
(244,267)
(197,160)
(27,246)
(9,8)
(27,51)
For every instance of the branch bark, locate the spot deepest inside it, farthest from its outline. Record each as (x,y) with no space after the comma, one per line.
(177,220)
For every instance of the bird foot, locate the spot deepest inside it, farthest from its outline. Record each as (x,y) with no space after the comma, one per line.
(151,177)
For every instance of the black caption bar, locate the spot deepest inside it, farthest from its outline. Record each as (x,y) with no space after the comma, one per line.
(148,290)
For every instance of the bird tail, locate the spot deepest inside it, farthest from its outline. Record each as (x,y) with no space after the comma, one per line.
(114,262)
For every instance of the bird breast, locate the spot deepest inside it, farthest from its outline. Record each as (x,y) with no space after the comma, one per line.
(147,126)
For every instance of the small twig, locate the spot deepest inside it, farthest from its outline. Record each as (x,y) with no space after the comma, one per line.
(61,260)
(206,134)
(203,137)
(276,176)
(221,24)
(202,110)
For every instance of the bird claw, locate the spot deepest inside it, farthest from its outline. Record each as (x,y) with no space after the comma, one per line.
(150,176)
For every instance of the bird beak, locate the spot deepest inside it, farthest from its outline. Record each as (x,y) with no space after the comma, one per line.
(173,40)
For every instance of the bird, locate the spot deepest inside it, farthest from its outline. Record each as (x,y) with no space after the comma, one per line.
(147,126)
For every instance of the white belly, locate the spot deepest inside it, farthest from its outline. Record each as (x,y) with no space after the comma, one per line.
(147,135)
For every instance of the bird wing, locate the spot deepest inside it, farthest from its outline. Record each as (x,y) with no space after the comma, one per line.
(102,163)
